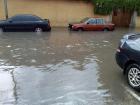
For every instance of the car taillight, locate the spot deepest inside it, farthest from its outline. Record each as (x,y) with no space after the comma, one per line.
(49,22)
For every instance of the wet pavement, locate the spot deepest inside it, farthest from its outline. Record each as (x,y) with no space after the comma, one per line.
(62,68)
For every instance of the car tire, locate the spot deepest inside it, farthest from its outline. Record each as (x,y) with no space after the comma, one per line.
(49,30)
(133,76)
(38,29)
(80,29)
(105,29)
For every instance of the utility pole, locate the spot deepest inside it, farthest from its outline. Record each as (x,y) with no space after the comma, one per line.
(5,9)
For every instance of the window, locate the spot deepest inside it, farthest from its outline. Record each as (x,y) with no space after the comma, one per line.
(92,21)
(25,18)
(100,21)
(17,18)
(31,18)
(84,20)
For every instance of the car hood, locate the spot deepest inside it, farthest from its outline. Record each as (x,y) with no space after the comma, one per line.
(131,40)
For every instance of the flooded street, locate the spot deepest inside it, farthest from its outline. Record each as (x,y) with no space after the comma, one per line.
(62,68)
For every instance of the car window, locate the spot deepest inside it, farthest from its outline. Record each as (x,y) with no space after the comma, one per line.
(92,21)
(17,18)
(84,20)
(100,21)
(32,18)
(25,18)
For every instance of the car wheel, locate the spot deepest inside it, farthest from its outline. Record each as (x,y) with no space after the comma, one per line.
(80,29)
(49,30)
(133,76)
(38,29)
(105,29)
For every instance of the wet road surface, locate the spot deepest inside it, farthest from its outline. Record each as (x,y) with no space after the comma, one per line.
(62,68)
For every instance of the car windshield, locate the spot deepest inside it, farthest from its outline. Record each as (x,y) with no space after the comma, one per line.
(84,20)
(135,44)
(24,18)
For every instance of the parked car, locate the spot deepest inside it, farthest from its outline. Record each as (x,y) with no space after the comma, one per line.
(128,58)
(25,22)
(92,24)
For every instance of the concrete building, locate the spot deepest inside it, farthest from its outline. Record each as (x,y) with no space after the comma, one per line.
(60,12)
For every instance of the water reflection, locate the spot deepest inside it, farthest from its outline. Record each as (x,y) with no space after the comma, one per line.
(60,84)
(7,86)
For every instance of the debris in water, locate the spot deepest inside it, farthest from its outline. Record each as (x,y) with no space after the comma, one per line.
(9,46)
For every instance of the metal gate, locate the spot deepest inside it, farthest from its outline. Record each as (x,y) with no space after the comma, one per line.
(121,18)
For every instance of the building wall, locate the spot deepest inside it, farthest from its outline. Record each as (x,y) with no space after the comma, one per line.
(60,12)
(1,10)
(138,22)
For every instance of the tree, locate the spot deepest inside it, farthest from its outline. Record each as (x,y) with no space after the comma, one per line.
(105,7)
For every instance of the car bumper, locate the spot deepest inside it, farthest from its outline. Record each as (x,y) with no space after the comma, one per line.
(49,29)
(70,27)
(121,59)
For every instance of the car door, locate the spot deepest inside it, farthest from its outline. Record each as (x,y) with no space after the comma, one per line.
(100,24)
(25,23)
(8,26)
(91,25)
(14,24)
(31,22)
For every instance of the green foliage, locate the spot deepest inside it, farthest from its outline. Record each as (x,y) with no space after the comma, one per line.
(105,7)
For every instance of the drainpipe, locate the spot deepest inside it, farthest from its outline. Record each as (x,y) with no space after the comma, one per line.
(5,9)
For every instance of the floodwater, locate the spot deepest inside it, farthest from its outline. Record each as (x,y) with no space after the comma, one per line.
(62,68)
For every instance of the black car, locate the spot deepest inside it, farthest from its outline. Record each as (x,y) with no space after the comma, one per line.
(128,58)
(25,22)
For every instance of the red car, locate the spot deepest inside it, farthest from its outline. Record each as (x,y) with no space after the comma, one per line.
(92,24)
